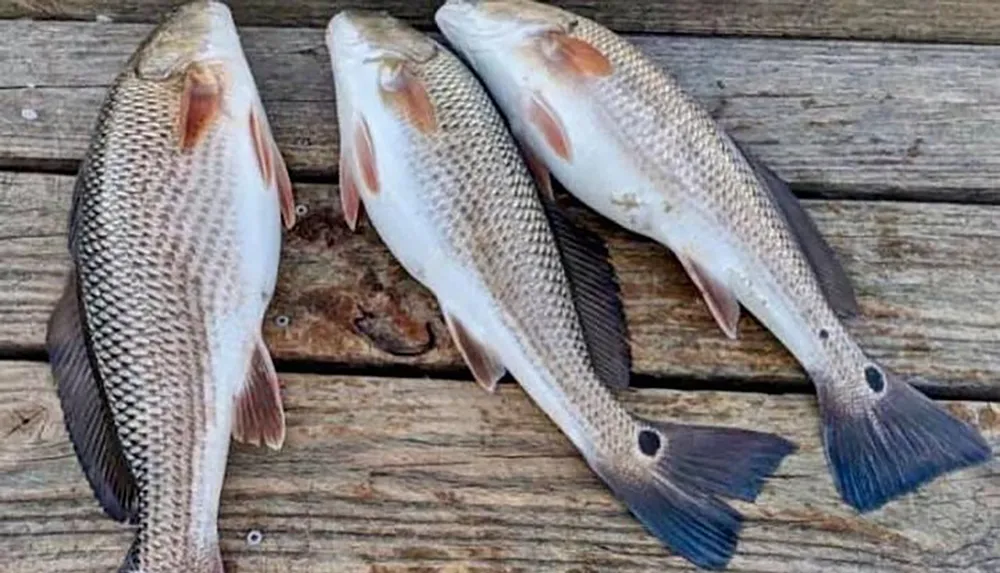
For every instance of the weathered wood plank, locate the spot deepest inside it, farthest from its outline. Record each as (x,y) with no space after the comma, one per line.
(383,475)
(835,118)
(974,21)
(928,277)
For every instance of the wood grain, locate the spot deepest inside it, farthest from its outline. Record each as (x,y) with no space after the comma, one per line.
(927,275)
(974,21)
(393,475)
(837,119)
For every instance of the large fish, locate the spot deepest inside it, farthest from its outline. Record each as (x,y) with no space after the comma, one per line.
(174,236)
(620,134)
(522,290)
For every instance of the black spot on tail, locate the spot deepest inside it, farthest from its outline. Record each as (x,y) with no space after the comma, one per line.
(874,378)
(892,443)
(679,498)
(649,442)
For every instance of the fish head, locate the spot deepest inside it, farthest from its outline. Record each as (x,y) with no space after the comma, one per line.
(476,26)
(362,42)
(197,32)
(519,47)
(380,66)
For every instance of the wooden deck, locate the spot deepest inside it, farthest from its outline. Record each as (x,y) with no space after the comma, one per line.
(884,114)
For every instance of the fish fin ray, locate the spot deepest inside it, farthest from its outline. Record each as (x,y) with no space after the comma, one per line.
(893,442)
(597,296)
(260,417)
(350,201)
(364,156)
(677,497)
(283,181)
(540,172)
(260,148)
(131,563)
(546,120)
(404,91)
(486,369)
(201,103)
(578,56)
(721,301)
(833,279)
(88,417)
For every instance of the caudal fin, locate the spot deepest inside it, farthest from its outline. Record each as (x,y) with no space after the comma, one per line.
(674,482)
(892,441)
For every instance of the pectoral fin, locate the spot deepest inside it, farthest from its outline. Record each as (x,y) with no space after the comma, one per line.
(201,102)
(88,416)
(722,303)
(576,56)
(404,91)
(260,417)
(486,369)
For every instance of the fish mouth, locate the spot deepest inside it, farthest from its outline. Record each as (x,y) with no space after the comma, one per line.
(363,36)
(194,32)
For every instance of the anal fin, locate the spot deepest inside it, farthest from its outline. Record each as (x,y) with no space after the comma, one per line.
(260,417)
(721,301)
(486,369)
(87,414)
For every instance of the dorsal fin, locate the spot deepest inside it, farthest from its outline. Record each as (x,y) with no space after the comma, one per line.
(597,295)
(86,412)
(823,260)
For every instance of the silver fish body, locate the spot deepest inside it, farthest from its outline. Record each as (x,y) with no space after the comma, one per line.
(623,137)
(174,235)
(522,290)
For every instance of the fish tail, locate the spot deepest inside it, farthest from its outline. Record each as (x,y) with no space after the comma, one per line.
(678,472)
(891,439)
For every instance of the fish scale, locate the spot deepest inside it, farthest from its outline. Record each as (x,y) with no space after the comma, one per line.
(141,275)
(174,234)
(487,206)
(522,288)
(605,120)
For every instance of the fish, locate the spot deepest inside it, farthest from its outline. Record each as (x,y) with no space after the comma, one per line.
(592,110)
(523,289)
(174,239)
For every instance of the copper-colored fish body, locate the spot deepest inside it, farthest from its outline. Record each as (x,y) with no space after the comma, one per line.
(175,235)
(521,288)
(650,158)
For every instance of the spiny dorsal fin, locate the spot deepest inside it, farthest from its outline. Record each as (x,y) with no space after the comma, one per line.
(486,369)
(259,417)
(597,295)
(86,412)
(830,273)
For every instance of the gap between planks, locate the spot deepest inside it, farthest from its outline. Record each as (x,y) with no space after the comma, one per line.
(973,21)
(837,119)
(927,276)
(387,475)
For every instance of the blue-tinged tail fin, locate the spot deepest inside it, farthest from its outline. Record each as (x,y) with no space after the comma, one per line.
(674,483)
(892,441)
